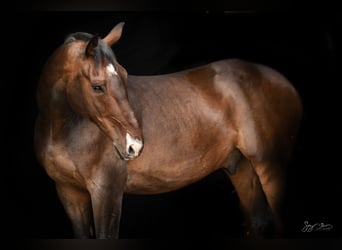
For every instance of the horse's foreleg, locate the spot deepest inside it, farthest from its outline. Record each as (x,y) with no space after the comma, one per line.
(252,200)
(107,213)
(106,191)
(77,205)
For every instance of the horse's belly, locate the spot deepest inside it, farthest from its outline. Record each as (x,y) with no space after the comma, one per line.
(163,176)
(164,179)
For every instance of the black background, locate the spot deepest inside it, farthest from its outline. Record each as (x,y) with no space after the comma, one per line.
(301,45)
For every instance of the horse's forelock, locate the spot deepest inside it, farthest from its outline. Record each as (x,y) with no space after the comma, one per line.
(103,56)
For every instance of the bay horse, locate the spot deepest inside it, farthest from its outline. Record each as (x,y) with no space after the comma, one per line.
(101,133)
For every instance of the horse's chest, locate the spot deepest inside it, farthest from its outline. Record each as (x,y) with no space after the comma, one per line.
(61,168)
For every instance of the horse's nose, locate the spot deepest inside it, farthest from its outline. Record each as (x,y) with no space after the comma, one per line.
(133,146)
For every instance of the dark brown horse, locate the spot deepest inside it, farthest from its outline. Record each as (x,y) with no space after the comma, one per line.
(101,133)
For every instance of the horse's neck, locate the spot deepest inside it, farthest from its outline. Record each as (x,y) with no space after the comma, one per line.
(57,118)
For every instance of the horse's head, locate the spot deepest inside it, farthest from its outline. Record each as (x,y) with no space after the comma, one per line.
(96,89)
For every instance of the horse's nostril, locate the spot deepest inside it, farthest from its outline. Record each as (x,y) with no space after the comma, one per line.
(133,146)
(131,150)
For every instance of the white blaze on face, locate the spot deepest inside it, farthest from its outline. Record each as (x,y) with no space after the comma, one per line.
(133,146)
(111,70)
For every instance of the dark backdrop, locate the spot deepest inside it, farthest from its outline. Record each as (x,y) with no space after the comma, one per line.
(302,46)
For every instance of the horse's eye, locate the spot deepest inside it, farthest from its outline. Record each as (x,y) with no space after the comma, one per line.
(98,89)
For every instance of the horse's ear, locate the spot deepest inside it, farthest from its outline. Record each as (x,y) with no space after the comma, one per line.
(114,35)
(91,46)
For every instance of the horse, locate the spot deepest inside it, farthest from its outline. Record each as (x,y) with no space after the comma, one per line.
(101,133)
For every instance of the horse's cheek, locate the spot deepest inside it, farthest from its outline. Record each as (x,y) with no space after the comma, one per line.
(76,99)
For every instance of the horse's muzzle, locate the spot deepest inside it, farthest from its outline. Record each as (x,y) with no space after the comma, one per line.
(133,147)
(132,150)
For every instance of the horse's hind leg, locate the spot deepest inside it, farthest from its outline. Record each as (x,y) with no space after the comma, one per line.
(258,216)
(77,205)
(272,179)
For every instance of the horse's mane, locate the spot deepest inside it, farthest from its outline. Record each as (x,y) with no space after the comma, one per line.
(83,36)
